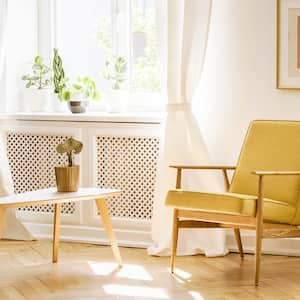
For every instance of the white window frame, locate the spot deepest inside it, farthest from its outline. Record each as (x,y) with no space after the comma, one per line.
(47,27)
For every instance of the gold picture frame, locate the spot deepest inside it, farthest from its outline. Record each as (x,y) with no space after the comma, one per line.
(288,45)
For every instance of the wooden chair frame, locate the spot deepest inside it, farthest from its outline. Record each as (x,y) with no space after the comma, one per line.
(198,219)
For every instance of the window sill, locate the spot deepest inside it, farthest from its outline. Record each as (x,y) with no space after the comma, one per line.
(130,117)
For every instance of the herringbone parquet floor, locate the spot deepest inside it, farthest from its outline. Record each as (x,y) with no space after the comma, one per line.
(89,272)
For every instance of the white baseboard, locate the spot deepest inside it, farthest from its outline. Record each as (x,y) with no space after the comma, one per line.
(142,239)
(288,246)
(93,235)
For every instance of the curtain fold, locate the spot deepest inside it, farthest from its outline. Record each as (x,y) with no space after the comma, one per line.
(13,229)
(182,142)
(3,25)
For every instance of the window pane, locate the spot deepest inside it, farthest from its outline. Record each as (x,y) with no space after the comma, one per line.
(145,72)
(78,37)
(90,32)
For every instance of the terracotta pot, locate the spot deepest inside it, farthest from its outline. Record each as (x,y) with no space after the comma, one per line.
(67,178)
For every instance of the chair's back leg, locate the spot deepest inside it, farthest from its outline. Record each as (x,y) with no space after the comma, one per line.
(174,239)
(238,239)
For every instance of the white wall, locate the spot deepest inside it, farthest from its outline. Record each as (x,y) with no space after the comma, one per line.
(238,82)
(238,85)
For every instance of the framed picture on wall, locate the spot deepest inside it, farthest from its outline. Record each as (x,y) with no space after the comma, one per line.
(288,44)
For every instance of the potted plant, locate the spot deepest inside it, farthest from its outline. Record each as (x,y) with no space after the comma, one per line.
(115,71)
(59,83)
(37,86)
(67,177)
(80,93)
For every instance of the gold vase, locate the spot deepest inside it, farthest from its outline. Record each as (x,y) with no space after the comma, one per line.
(67,178)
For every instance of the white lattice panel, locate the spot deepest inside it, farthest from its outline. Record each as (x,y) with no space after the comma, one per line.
(128,163)
(32,159)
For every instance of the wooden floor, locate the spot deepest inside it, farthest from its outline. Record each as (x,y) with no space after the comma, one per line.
(89,272)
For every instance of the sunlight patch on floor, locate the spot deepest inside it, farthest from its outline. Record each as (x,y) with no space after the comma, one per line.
(196,295)
(103,269)
(134,272)
(127,271)
(135,291)
(181,274)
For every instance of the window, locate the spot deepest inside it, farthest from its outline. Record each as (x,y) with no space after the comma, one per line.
(90,32)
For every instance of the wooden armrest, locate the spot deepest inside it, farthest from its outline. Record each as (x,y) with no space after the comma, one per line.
(263,173)
(191,167)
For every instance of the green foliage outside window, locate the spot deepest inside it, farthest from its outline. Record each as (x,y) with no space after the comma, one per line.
(115,71)
(145,73)
(104,35)
(144,69)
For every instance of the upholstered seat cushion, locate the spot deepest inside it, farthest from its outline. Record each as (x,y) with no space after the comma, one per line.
(230,203)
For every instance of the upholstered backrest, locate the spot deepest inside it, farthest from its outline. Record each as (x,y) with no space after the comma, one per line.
(270,145)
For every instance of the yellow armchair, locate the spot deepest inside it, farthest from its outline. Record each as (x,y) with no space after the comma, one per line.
(263,195)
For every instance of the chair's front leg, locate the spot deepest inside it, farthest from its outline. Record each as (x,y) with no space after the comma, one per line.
(259,228)
(237,233)
(174,239)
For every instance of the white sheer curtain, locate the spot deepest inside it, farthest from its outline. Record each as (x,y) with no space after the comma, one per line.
(182,142)
(13,229)
(3,23)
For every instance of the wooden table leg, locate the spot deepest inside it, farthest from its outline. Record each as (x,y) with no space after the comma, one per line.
(104,212)
(2,218)
(56,224)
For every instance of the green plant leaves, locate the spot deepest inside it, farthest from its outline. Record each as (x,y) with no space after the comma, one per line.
(77,86)
(40,77)
(59,80)
(38,60)
(67,95)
